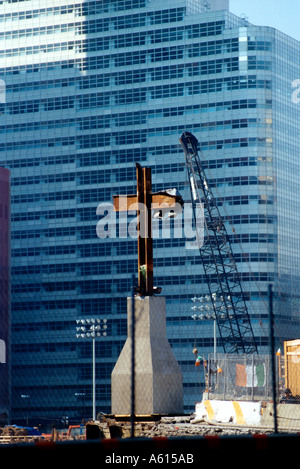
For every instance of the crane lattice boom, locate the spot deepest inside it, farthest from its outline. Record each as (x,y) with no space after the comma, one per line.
(222,276)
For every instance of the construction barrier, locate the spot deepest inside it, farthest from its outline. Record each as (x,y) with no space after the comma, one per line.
(288,417)
(238,412)
(249,414)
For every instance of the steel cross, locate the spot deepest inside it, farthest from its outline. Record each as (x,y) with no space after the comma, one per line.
(144,201)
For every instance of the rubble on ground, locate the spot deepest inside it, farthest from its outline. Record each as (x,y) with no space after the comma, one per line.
(166,427)
(13,431)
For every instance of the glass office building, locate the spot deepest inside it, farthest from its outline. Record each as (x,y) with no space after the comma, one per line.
(5,295)
(93,87)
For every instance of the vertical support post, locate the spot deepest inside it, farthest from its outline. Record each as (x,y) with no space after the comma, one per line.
(145,243)
(148,231)
(215,340)
(252,390)
(207,375)
(132,358)
(226,377)
(94,379)
(271,341)
(140,222)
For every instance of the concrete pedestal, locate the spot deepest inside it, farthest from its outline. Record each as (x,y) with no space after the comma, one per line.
(158,377)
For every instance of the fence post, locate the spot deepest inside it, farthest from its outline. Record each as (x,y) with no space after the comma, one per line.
(225,385)
(132,357)
(271,342)
(207,375)
(252,390)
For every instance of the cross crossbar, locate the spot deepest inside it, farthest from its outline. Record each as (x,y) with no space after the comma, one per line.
(142,202)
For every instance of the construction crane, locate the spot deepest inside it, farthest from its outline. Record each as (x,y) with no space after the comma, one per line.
(221,273)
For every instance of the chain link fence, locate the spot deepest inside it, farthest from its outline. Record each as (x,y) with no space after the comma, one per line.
(249,377)
(238,377)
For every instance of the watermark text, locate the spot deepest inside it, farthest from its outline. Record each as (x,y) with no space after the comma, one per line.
(175,222)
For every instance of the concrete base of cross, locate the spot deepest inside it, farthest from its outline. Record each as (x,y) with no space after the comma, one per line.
(158,377)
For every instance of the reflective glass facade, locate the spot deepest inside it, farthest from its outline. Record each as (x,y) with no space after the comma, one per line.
(5,296)
(91,88)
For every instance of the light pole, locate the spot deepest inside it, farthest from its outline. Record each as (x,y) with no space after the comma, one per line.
(208,313)
(27,396)
(81,394)
(92,328)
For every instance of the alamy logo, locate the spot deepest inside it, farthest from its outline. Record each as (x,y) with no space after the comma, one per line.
(2,351)
(124,226)
(296,93)
(2,92)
